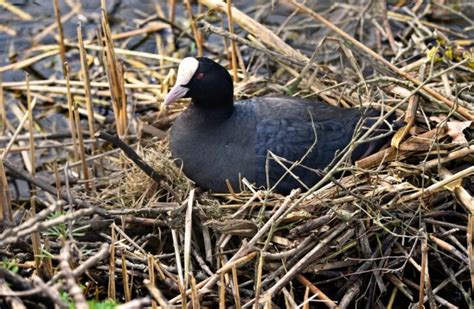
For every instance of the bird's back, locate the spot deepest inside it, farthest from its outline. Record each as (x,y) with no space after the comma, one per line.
(306,135)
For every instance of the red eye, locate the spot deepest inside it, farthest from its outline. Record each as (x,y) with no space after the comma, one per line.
(200,76)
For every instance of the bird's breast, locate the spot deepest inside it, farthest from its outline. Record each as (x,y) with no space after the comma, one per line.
(211,152)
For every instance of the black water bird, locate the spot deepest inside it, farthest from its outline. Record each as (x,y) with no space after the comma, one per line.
(216,138)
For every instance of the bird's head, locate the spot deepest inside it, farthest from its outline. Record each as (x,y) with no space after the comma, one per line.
(206,82)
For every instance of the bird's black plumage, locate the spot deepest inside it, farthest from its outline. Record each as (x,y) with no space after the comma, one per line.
(216,139)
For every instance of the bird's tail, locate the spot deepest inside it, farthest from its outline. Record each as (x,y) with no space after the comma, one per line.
(380,136)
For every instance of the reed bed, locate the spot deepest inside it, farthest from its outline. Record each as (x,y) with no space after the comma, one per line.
(83,226)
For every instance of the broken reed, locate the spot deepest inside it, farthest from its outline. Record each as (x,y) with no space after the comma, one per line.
(115,74)
(196,32)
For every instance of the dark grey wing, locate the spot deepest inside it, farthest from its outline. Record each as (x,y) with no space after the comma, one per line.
(300,129)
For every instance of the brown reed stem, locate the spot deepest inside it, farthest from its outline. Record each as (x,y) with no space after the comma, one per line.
(196,33)
(87,84)
(172,10)
(111,291)
(6,212)
(82,152)
(3,111)
(35,237)
(230,22)
(113,72)
(151,276)
(62,48)
(70,105)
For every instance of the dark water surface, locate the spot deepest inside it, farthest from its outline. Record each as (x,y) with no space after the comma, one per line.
(124,15)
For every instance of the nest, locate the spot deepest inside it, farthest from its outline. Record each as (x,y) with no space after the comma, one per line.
(391,230)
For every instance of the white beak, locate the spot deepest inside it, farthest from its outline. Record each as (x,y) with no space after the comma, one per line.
(175,93)
(186,70)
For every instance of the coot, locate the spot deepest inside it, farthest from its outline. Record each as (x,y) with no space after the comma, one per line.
(216,139)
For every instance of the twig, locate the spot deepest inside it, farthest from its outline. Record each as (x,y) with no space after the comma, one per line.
(20,174)
(131,154)
(74,290)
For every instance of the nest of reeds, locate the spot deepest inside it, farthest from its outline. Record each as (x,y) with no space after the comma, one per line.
(82,225)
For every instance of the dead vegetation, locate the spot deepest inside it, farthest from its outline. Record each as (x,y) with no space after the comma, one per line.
(81,222)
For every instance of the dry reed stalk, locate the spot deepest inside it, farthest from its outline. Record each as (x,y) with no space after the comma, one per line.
(441,184)
(410,114)
(157,296)
(233,47)
(111,290)
(408,19)
(460,109)
(463,195)
(6,212)
(172,10)
(413,143)
(21,85)
(54,146)
(38,37)
(113,71)
(30,126)
(258,278)
(151,276)
(47,261)
(303,262)
(35,237)
(196,32)
(125,279)
(87,84)
(106,93)
(3,111)
(82,151)
(265,35)
(9,31)
(177,250)
(153,27)
(315,290)
(62,48)
(243,255)
(188,226)
(222,291)
(195,300)
(123,106)
(29,61)
(470,247)
(315,88)
(160,45)
(17,132)
(57,182)
(205,26)
(293,84)
(306,298)
(235,287)
(450,248)
(203,285)
(15,10)
(70,106)
(423,271)
(131,53)
(392,298)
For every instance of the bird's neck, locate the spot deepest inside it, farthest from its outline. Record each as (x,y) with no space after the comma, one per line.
(214,111)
